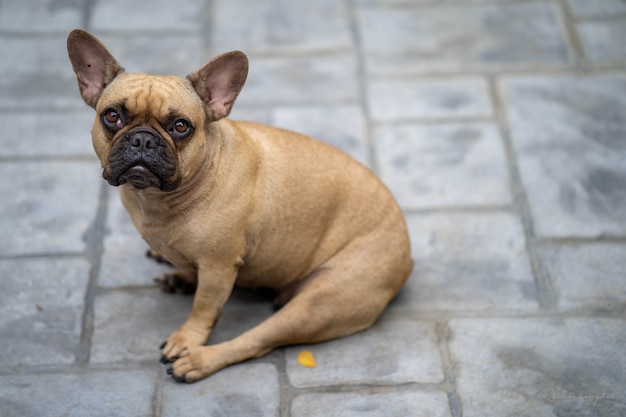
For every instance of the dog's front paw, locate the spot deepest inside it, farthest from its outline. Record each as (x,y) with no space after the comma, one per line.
(179,281)
(179,343)
(199,363)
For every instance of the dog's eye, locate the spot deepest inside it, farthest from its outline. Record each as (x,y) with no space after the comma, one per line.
(181,126)
(112,118)
(179,129)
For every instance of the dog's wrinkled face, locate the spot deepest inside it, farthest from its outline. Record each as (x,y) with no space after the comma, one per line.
(150,130)
(144,130)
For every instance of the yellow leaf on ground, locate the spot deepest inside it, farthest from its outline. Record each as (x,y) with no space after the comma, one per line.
(306,358)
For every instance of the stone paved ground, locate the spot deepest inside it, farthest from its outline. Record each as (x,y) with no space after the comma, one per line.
(500,125)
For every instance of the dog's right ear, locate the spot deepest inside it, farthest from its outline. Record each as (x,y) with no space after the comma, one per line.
(93,64)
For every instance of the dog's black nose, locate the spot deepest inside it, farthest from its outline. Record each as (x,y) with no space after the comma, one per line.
(143,140)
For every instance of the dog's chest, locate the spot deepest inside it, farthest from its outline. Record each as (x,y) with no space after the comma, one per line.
(160,243)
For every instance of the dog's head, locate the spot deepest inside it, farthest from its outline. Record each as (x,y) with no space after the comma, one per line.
(151,131)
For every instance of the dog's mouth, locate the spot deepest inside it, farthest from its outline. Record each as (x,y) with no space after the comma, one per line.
(139,176)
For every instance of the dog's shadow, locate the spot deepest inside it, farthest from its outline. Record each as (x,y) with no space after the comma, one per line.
(244,310)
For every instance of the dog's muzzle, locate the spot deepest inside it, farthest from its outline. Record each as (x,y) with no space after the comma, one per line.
(142,158)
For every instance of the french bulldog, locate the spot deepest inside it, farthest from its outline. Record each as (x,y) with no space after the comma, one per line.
(240,203)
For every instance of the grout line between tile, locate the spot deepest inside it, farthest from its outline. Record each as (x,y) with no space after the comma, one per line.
(571,32)
(454,401)
(546,292)
(362,85)
(94,238)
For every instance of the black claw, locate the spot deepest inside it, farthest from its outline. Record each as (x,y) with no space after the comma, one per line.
(179,378)
(165,360)
(169,371)
(156,257)
(163,345)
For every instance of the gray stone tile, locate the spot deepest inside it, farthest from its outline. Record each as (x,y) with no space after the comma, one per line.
(124,262)
(341,125)
(36,73)
(391,100)
(310,79)
(46,133)
(249,389)
(130,326)
(434,165)
(144,53)
(50,205)
(394,404)
(590,275)
(157,16)
(537,367)
(259,114)
(597,8)
(281,26)
(467,262)
(462,37)
(41,310)
(94,394)
(40,15)
(570,151)
(393,351)
(45,90)
(604,41)
(34,54)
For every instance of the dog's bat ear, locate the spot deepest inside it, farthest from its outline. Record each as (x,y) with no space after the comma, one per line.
(93,64)
(219,82)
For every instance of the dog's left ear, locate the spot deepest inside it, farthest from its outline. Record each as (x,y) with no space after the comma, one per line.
(219,82)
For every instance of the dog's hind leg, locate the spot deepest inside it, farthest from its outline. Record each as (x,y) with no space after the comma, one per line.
(344,296)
